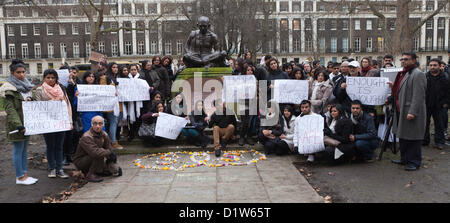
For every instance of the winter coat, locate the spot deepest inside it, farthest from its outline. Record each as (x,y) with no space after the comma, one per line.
(198,121)
(40,95)
(322,97)
(289,132)
(92,144)
(412,94)
(365,129)
(12,103)
(164,86)
(341,93)
(438,91)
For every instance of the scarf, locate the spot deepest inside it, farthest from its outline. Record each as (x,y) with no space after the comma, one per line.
(364,70)
(134,108)
(356,119)
(54,93)
(332,125)
(316,86)
(24,86)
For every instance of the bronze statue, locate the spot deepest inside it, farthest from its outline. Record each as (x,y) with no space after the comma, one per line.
(200,45)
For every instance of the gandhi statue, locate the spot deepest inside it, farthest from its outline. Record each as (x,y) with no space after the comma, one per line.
(200,45)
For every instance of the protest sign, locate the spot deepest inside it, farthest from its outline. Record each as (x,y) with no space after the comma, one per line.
(45,117)
(133,90)
(369,90)
(63,77)
(238,87)
(97,57)
(169,126)
(96,98)
(390,73)
(290,91)
(309,134)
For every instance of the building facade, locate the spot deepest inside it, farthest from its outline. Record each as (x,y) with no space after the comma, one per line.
(52,31)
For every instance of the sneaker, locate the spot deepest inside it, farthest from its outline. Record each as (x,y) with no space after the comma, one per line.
(119,172)
(310,158)
(218,152)
(116,145)
(66,162)
(28,181)
(32,178)
(52,173)
(61,174)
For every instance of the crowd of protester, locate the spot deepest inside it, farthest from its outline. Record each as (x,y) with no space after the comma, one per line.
(350,126)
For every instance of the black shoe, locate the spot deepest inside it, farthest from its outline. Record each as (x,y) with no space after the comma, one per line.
(241,141)
(119,172)
(218,152)
(250,141)
(399,162)
(411,167)
(223,145)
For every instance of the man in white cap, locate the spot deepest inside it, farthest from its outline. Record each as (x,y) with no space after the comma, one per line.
(354,68)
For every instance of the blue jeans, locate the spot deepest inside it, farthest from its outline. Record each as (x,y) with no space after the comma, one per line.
(189,133)
(366,148)
(54,142)
(20,158)
(113,121)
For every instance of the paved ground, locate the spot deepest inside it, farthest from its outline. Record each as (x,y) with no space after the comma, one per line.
(273,180)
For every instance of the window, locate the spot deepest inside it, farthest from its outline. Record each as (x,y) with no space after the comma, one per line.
(369,44)
(322,44)
(62,29)
(179,47)
(392,25)
(75,29)
(101,47)
(369,24)
(63,49)
(153,10)
(416,44)
(87,28)
(321,24)
(114,26)
(88,49)
(321,8)
(333,44)
(308,45)
(39,68)
(51,50)
(296,24)
(35,13)
(74,11)
(21,13)
(308,24)
(284,6)
(345,44)
(36,30)
(154,47)
(333,25)
(344,24)
(126,11)
(128,48)
(270,46)
(23,30)
(76,50)
(357,44)
(441,23)
(296,6)
(380,44)
(10,30)
(50,65)
(284,24)
(12,51)
(114,49)
(430,6)
(357,25)
(140,11)
(296,46)
(440,43)
(141,47)
(168,47)
(284,46)
(113,11)
(37,50)
(430,24)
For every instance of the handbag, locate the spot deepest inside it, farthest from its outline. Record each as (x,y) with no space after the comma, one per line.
(78,125)
(147,130)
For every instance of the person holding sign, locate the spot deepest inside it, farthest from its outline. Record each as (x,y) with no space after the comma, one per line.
(147,128)
(86,117)
(271,131)
(320,91)
(364,133)
(409,94)
(305,107)
(339,128)
(14,91)
(111,79)
(51,90)
(223,121)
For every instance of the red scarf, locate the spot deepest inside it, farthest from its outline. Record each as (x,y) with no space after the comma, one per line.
(398,81)
(364,70)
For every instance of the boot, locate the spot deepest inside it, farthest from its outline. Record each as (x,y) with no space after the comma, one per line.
(241,141)
(116,145)
(250,141)
(91,177)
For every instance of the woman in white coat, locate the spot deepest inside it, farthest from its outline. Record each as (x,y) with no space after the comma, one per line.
(288,127)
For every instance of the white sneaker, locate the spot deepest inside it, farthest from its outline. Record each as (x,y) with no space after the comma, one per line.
(311,158)
(28,181)
(36,180)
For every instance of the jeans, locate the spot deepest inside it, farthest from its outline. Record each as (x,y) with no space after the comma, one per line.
(20,158)
(54,142)
(190,133)
(439,126)
(113,121)
(366,148)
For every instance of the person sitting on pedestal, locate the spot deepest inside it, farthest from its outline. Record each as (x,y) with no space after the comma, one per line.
(94,156)
(224,122)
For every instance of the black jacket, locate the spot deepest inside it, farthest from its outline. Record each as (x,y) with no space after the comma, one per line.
(343,129)
(340,93)
(365,129)
(438,90)
(223,120)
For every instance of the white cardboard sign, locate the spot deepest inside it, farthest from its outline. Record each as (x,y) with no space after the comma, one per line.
(390,73)
(369,90)
(309,134)
(131,89)
(96,98)
(63,77)
(45,117)
(238,87)
(169,126)
(290,91)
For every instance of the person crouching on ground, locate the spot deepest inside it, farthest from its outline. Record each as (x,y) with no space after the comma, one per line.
(224,122)
(364,133)
(94,156)
(306,108)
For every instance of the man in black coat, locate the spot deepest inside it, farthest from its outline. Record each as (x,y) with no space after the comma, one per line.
(364,132)
(223,121)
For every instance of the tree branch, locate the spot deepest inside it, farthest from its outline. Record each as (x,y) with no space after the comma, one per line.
(424,20)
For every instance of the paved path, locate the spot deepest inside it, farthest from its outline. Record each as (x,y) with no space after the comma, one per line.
(274,180)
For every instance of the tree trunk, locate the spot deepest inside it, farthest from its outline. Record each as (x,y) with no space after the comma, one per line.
(402,40)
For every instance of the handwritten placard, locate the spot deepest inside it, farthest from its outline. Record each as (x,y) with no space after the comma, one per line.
(369,90)
(238,87)
(45,117)
(133,90)
(63,77)
(390,73)
(96,98)
(309,134)
(169,126)
(290,91)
